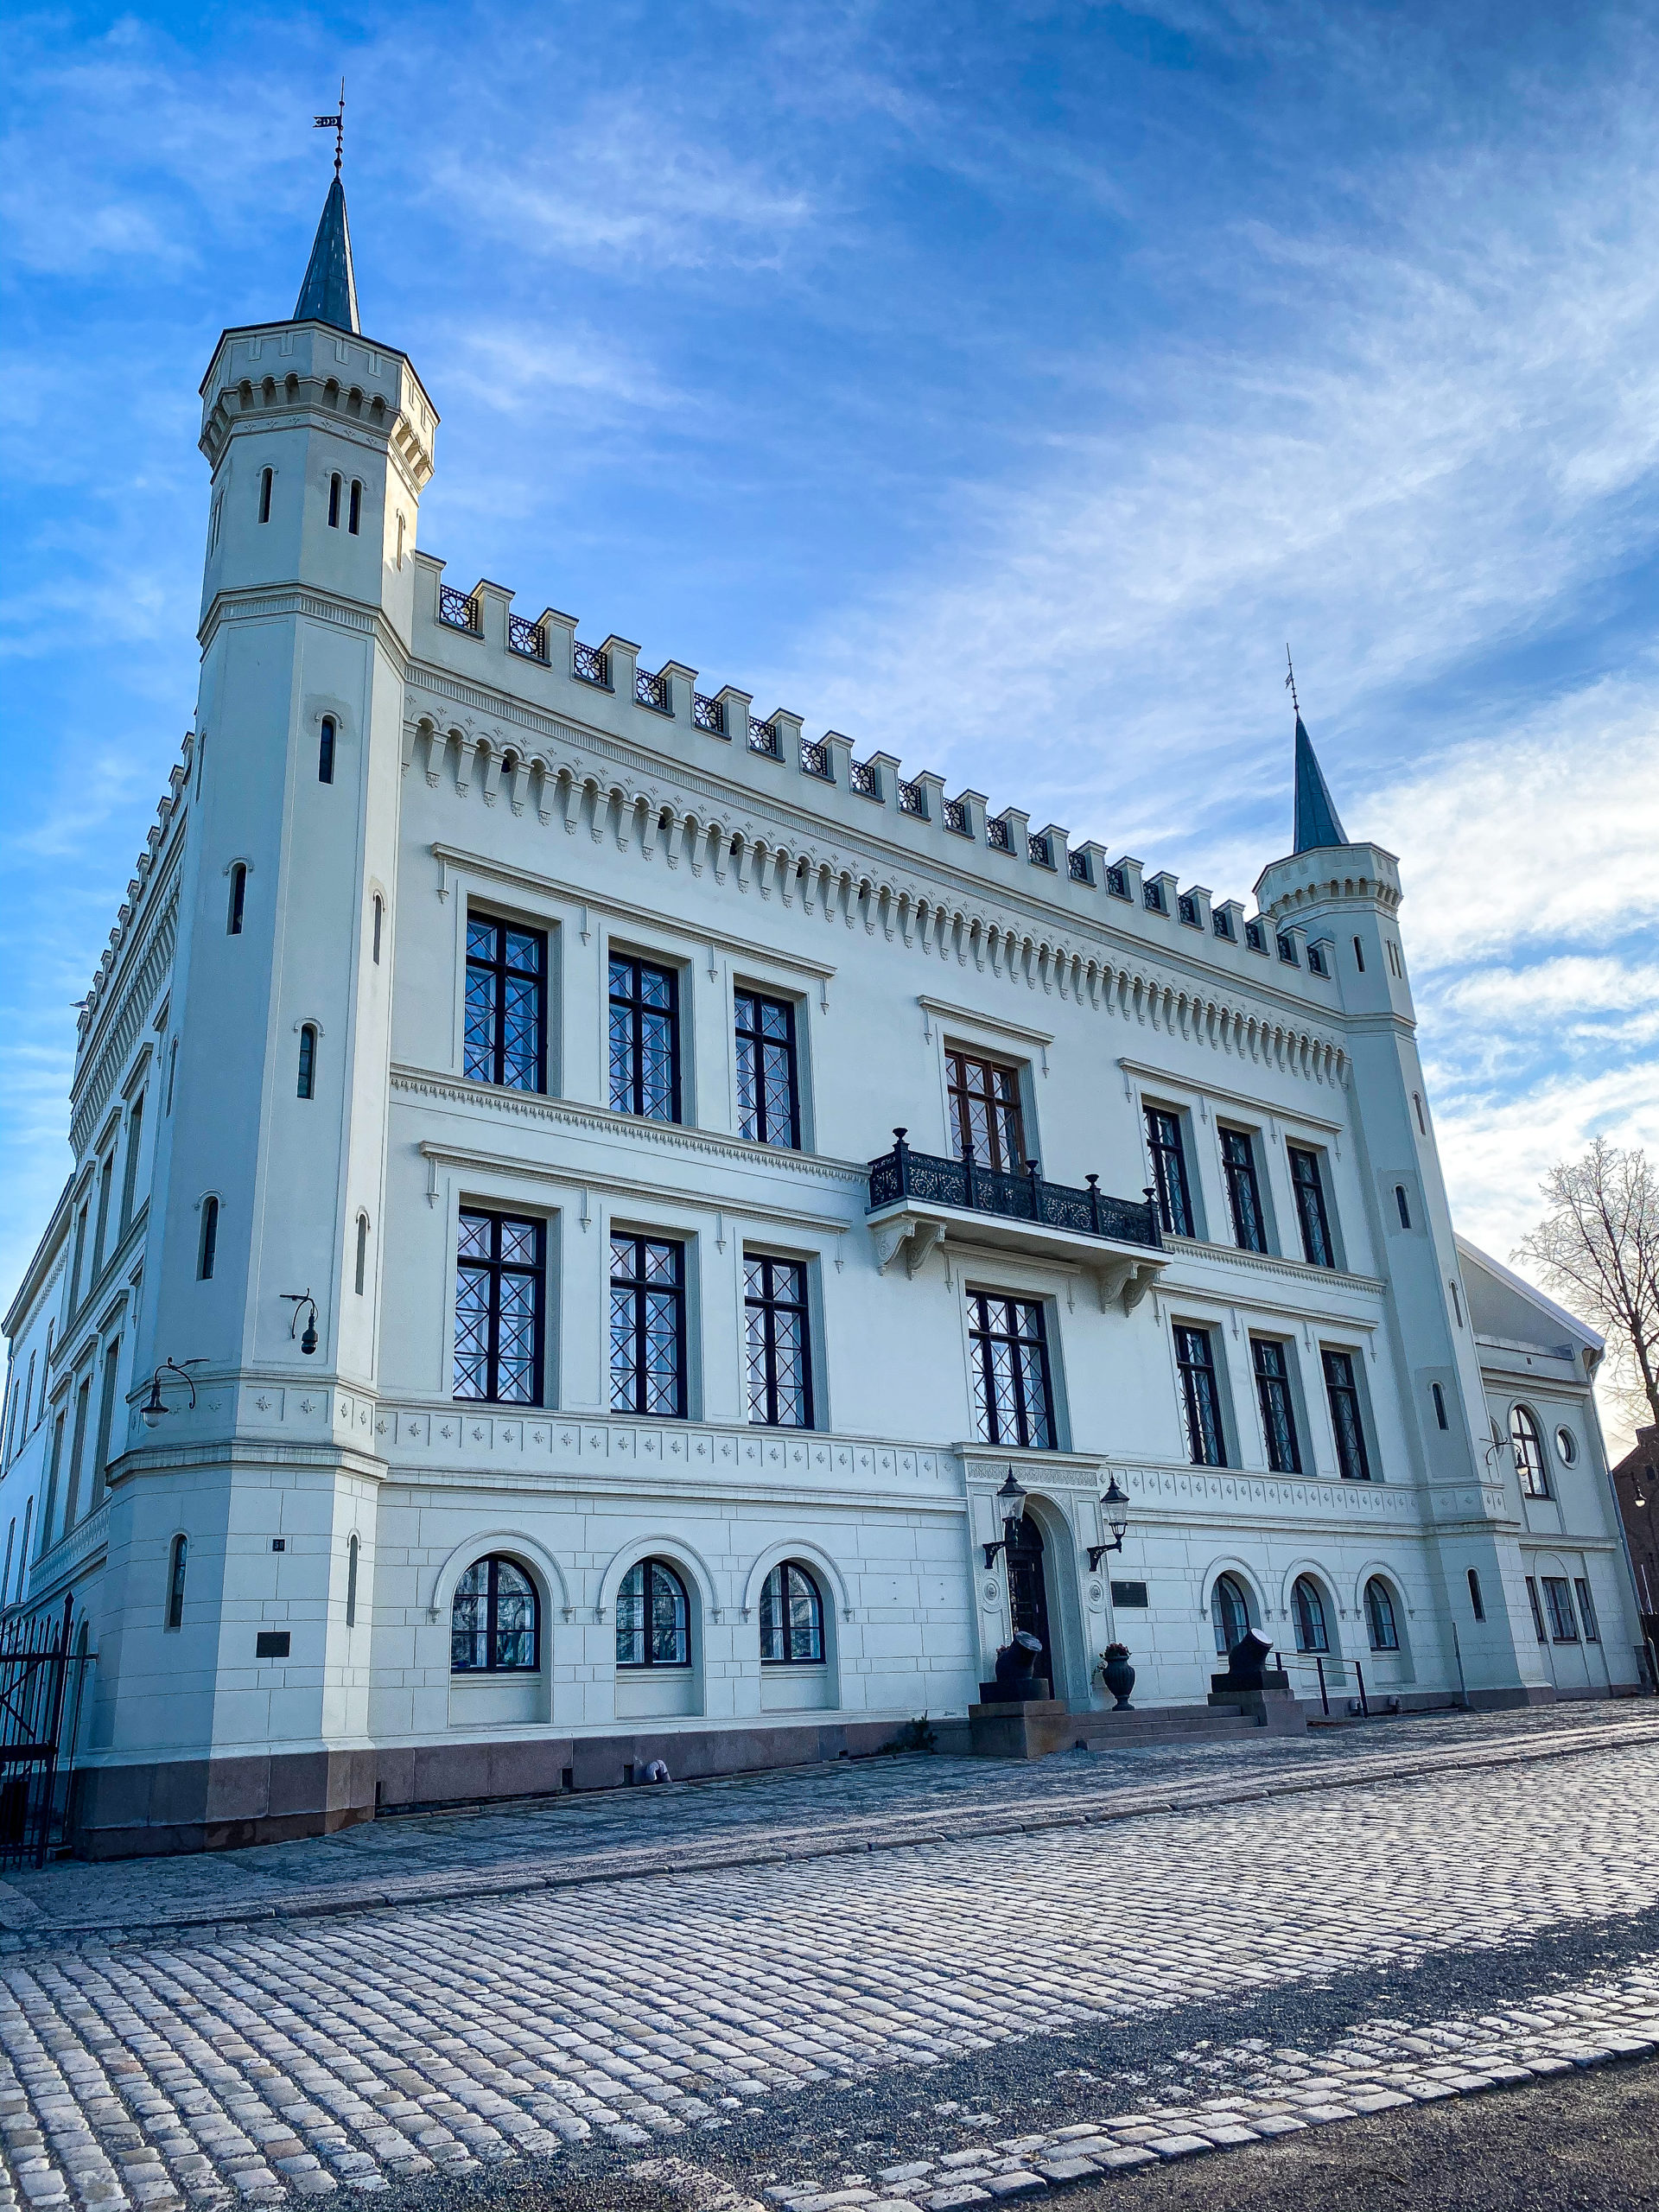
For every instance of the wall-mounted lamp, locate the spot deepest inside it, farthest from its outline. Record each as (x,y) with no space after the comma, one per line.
(1115,1508)
(155,1409)
(1011,1507)
(298,1299)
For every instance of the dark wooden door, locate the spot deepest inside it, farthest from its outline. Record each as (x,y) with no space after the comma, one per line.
(1028,1592)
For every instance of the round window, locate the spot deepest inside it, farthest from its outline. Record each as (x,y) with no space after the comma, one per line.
(1567,1445)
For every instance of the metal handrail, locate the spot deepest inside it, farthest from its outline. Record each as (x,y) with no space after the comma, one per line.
(970,1187)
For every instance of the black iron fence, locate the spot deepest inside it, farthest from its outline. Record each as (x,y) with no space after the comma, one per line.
(924,1176)
(43,1680)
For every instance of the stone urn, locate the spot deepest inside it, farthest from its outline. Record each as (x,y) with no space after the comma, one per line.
(1118,1674)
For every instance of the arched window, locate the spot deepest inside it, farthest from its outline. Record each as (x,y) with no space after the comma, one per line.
(175,1566)
(653,1618)
(1229,1611)
(264,494)
(351,1584)
(326,751)
(792,1618)
(1379,1616)
(1438,1396)
(209,1248)
(1308,1607)
(1403,1204)
(357,507)
(494,1624)
(379,913)
(362,1251)
(1477,1602)
(1422,1118)
(308,1085)
(333,503)
(1528,1447)
(239,899)
(1567,1445)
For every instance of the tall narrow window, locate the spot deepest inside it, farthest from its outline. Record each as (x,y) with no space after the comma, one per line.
(1243,1192)
(1558,1603)
(176,1563)
(1229,1612)
(1457,1303)
(380,915)
(507,1004)
(792,1618)
(493,1623)
(1438,1396)
(130,1171)
(985,1113)
(357,507)
(1169,1171)
(1528,1447)
(1309,1187)
(1359,956)
(401,527)
(1422,1118)
(334,502)
(1278,1414)
(77,1457)
(645,1040)
(172,1070)
(49,1510)
(1342,1390)
(499,1309)
(1379,1616)
(780,1368)
(648,1326)
(105,1416)
(351,1584)
(1402,1205)
(239,898)
(77,1287)
(654,1616)
(1013,1399)
(1587,1611)
(264,494)
(1308,1608)
(1538,1627)
(5,1585)
(106,1184)
(768,1104)
(326,751)
(207,1251)
(1476,1603)
(362,1251)
(1195,1360)
(307,1082)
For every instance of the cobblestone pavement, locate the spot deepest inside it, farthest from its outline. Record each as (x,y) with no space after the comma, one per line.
(659,2021)
(416,1858)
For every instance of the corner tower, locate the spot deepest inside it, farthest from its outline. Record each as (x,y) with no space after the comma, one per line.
(271,1161)
(1344,893)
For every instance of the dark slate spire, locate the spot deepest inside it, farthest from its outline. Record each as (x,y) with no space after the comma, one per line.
(329,292)
(1316,815)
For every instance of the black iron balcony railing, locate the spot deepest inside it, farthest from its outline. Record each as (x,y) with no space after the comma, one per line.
(930,1180)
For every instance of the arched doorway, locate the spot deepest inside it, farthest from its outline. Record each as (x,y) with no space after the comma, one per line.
(1028,1593)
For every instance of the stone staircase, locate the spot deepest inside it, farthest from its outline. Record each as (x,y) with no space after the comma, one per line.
(1163,1724)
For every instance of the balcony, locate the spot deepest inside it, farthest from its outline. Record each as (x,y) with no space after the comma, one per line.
(920,1201)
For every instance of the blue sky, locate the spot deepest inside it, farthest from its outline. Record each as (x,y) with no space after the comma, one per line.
(1002,385)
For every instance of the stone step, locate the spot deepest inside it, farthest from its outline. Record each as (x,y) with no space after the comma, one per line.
(1101,1731)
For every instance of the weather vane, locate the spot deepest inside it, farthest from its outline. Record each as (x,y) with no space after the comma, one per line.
(337,125)
(1290,680)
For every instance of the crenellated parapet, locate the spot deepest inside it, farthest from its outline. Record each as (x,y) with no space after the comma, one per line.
(287,373)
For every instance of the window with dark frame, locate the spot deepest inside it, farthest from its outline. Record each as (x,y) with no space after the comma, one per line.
(654,1616)
(1013,1401)
(1527,1442)
(792,1618)
(1538,1628)
(1587,1611)
(1169,1171)
(499,1283)
(774,1304)
(350,1582)
(987,1125)
(768,1098)
(494,1620)
(1195,1360)
(506,1040)
(306,1087)
(239,899)
(326,751)
(1243,1190)
(265,475)
(644,1039)
(361,1270)
(648,1326)
(333,501)
(1308,1607)
(1438,1396)
(1558,1603)
(175,1570)
(1278,1414)
(1229,1612)
(1402,1205)
(1476,1603)
(208,1250)
(1380,1616)
(380,916)
(356,515)
(1309,1186)
(1342,1388)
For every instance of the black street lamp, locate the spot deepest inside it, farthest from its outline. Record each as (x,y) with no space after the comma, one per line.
(1011,1504)
(155,1409)
(298,1299)
(1115,1508)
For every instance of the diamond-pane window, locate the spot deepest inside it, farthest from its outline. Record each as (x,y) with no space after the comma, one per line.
(768,1104)
(1278,1414)
(1343,1390)
(1309,1187)
(494,1626)
(647,1326)
(985,1113)
(506,1005)
(1195,1361)
(774,1301)
(1012,1398)
(645,1040)
(498,1266)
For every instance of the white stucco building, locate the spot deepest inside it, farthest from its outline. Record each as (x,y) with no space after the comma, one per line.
(481,1089)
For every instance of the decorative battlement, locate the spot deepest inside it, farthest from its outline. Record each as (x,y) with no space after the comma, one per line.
(282,371)
(545,664)
(135,902)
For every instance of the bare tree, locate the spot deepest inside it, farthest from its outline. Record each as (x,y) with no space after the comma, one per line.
(1597,1249)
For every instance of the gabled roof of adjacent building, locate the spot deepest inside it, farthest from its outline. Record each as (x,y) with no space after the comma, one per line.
(1504,1305)
(329,292)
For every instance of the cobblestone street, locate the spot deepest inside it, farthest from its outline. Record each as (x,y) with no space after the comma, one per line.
(943,2022)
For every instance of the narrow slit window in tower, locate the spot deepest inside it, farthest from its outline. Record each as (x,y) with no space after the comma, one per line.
(209,1240)
(334,502)
(265,475)
(308,1084)
(239,898)
(357,507)
(326,751)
